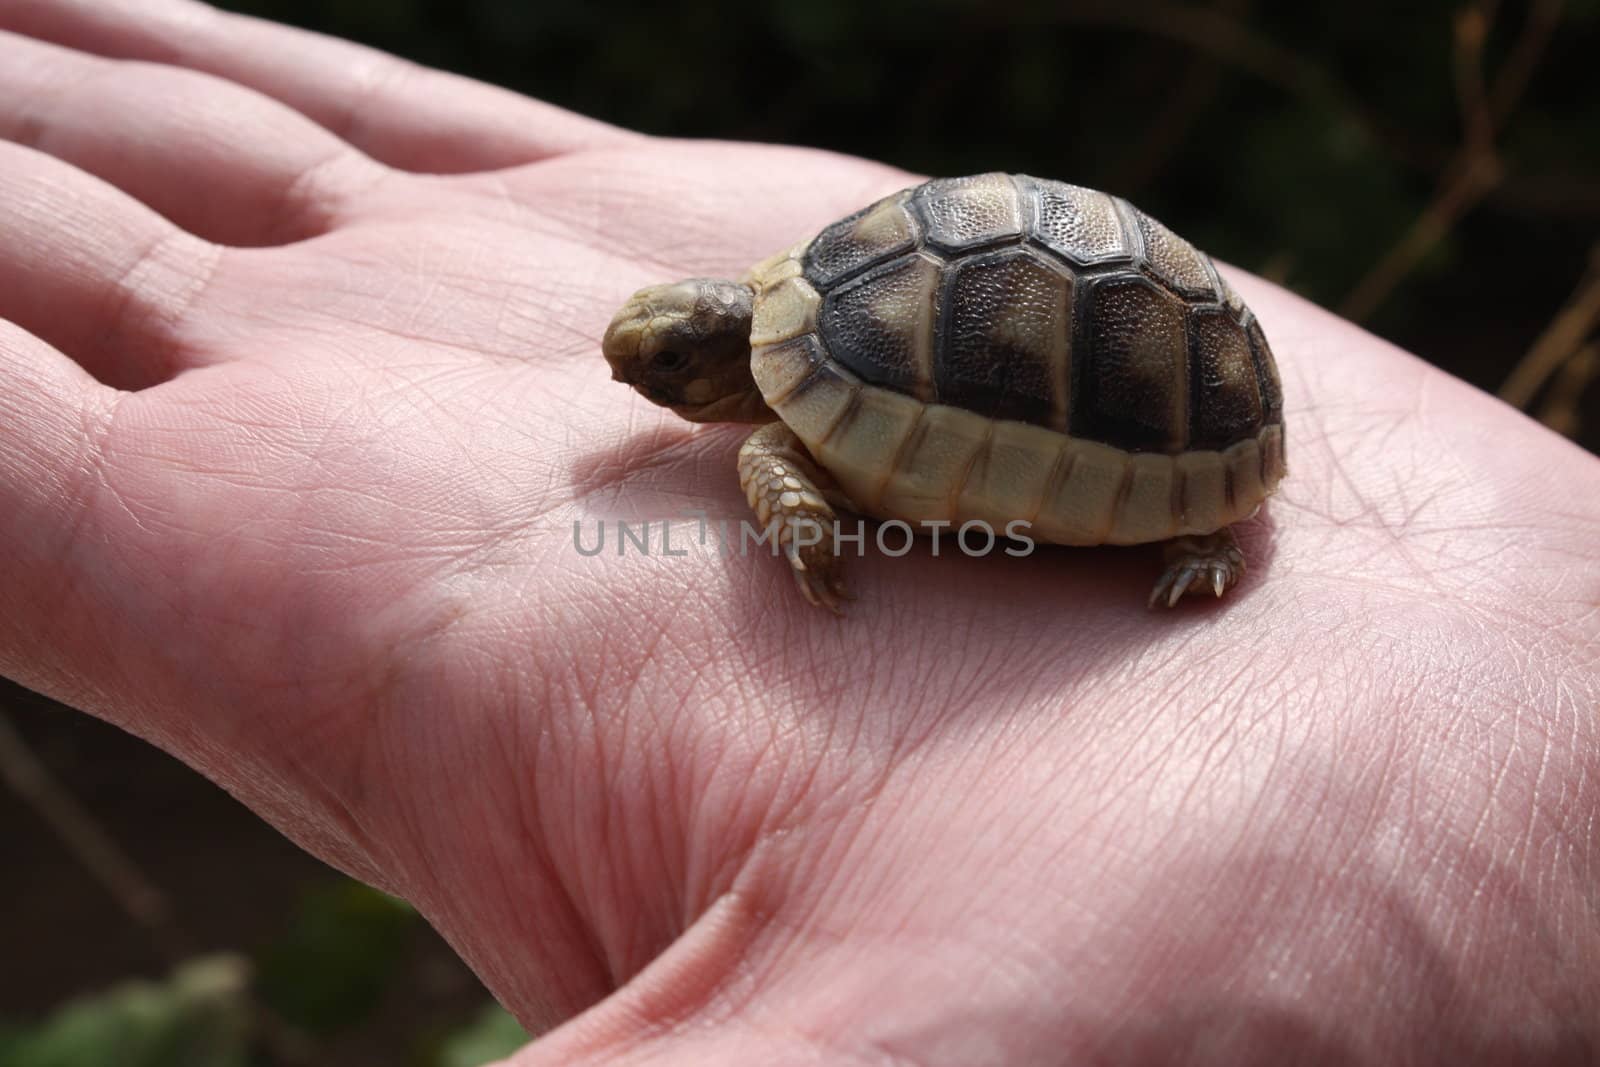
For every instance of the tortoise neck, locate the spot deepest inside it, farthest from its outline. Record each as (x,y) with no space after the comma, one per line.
(719,326)
(746,406)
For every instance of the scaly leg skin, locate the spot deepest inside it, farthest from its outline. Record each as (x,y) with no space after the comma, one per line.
(1207,563)
(784,485)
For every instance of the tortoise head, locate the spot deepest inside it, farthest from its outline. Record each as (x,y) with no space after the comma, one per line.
(686,346)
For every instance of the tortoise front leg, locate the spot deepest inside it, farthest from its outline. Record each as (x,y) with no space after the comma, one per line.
(785,486)
(1207,563)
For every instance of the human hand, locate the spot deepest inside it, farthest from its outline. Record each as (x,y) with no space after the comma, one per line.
(314,535)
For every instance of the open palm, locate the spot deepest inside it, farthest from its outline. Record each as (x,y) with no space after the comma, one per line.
(295,436)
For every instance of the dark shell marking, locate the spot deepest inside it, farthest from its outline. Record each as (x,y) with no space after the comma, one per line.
(1029,299)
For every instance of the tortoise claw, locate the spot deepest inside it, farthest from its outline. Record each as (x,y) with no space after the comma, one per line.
(820,576)
(1198,565)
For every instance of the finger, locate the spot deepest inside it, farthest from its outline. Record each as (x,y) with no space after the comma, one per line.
(51,414)
(397,112)
(221,161)
(94,272)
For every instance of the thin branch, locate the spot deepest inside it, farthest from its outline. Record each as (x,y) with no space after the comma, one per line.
(1476,169)
(1561,409)
(1472,27)
(1554,197)
(90,844)
(1217,32)
(1187,101)
(139,897)
(1519,66)
(1561,339)
(1458,196)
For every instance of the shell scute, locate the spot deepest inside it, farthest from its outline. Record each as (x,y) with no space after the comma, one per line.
(964,213)
(872,235)
(785,311)
(1267,373)
(1080,225)
(1133,379)
(1007,337)
(1176,262)
(880,325)
(1226,402)
(780,369)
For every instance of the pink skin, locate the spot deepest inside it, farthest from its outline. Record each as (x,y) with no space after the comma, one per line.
(317,542)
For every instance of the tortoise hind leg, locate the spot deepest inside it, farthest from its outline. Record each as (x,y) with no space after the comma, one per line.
(786,488)
(1198,564)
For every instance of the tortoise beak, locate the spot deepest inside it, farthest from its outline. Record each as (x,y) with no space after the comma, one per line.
(620,345)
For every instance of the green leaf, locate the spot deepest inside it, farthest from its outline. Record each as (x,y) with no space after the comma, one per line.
(493,1035)
(332,965)
(198,1016)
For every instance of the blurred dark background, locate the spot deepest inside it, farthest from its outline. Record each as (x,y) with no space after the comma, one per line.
(1431,170)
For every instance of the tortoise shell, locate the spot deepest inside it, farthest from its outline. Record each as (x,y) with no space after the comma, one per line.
(976,340)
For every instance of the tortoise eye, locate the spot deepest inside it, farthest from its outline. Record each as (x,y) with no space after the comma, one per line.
(668,359)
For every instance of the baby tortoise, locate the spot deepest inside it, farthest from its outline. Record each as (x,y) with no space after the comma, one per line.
(992,348)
